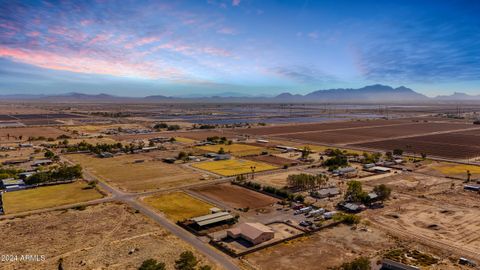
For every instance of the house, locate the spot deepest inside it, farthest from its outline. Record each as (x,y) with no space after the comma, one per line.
(393,265)
(159,140)
(345,170)
(150,148)
(326,192)
(380,169)
(286,148)
(25,175)
(210,155)
(42,162)
(25,145)
(222,157)
(212,219)
(351,207)
(14,161)
(262,141)
(105,155)
(255,233)
(369,165)
(169,160)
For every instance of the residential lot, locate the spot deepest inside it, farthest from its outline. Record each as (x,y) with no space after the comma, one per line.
(102,236)
(278,180)
(452,170)
(178,206)
(324,249)
(124,172)
(46,197)
(233,166)
(273,159)
(235,196)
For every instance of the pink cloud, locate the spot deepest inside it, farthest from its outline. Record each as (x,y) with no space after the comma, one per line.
(90,63)
(236,2)
(226,31)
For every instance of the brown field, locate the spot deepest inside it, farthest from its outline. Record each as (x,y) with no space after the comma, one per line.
(123,172)
(323,250)
(235,196)
(274,160)
(457,145)
(194,135)
(373,133)
(25,132)
(318,127)
(98,237)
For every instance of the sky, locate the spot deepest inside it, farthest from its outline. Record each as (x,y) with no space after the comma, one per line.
(252,47)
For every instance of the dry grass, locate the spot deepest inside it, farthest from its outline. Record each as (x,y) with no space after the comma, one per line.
(457,169)
(123,172)
(25,132)
(99,237)
(233,166)
(179,206)
(184,140)
(46,197)
(235,149)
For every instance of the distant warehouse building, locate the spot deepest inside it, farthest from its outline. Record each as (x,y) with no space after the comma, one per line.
(393,265)
(255,233)
(12,184)
(212,219)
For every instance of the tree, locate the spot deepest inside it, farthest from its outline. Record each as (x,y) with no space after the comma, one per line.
(306,152)
(355,192)
(221,151)
(389,155)
(152,264)
(397,152)
(361,263)
(187,261)
(424,155)
(383,192)
(182,155)
(49,154)
(205,267)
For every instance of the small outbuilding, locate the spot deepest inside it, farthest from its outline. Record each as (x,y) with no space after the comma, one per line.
(255,233)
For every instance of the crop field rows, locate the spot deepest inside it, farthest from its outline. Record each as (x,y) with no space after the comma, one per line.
(458,145)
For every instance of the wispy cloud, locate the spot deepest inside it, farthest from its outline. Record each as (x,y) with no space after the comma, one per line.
(302,74)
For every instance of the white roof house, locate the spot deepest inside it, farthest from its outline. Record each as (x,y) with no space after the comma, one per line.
(254,233)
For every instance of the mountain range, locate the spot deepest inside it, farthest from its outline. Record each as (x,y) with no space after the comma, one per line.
(369,94)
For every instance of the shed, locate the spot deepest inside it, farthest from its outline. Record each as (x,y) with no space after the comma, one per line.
(42,162)
(222,157)
(211,219)
(254,233)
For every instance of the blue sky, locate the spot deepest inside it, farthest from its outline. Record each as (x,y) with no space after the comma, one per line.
(138,48)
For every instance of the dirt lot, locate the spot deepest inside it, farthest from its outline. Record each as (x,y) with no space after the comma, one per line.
(443,223)
(25,132)
(235,196)
(99,237)
(50,196)
(278,180)
(327,248)
(123,172)
(274,160)
(194,135)
(178,206)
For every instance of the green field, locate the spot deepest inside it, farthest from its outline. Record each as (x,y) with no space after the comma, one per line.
(46,197)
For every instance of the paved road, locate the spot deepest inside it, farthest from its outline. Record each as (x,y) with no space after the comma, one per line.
(131,199)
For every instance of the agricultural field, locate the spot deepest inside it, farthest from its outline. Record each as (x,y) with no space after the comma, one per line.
(49,196)
(184,140)
(322,250)
(26,132)
(365,134)
(235,196)
(101,236)
(99,128)
(234,149)
(457,145)
(273,159)
(178,206)
(452,170)
(275,130)
(233,166)
(139,172)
